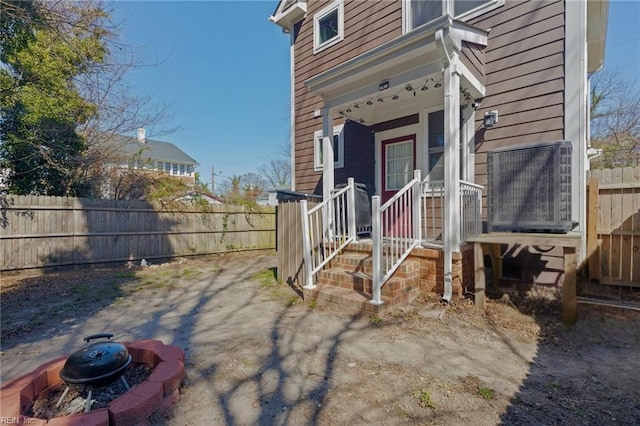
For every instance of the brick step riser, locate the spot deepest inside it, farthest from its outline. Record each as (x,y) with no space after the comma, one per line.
(366,266)
(365,285)
(364,306)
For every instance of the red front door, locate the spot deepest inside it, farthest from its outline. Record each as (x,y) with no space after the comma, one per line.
(398,164)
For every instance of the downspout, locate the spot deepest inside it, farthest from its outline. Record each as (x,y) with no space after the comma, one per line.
(448,261)
(442,48)
(292,107)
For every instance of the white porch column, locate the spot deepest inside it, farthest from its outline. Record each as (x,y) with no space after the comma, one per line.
(468,144)
(327,153)
(451,229)
(327,171)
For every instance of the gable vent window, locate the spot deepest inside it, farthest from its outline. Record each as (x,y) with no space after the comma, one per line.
(328,26)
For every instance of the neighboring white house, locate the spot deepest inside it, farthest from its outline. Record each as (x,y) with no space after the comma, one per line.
(143,153)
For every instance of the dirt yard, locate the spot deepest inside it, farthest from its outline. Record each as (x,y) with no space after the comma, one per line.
(256,353)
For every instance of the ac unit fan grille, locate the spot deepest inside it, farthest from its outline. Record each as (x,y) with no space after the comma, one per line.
(530,188)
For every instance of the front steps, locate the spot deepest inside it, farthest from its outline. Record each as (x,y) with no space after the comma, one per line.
(346,284)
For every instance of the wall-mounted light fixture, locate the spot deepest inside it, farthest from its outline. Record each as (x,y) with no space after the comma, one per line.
(490,118)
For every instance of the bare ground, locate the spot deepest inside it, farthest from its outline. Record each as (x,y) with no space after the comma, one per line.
(256,353)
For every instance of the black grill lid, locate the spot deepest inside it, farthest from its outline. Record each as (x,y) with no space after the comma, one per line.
(97,364)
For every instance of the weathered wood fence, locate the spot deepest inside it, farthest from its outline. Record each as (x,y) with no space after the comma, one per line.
(614,212)
(38,231)
(290,252)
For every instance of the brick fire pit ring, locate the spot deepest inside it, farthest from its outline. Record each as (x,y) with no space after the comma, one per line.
(158,394)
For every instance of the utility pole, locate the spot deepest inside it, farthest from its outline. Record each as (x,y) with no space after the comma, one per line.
(213,177)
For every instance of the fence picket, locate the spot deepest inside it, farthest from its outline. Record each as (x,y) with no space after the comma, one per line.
(619,225)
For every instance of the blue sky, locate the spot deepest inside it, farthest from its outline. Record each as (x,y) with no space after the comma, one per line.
(225,70)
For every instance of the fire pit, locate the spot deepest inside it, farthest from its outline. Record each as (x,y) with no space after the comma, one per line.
(95,366)
(157,394)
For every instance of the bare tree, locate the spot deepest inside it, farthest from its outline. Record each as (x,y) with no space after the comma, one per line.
(615,120)
(277,172)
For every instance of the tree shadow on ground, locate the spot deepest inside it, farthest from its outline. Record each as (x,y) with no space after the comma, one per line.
(584,374)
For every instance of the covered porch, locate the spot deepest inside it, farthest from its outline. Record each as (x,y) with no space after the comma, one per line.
(424,172)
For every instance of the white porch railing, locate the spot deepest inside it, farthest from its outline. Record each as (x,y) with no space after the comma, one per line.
(396,231)
(413,216)
(432,210)
(470,210)
(398,225)
(327,229)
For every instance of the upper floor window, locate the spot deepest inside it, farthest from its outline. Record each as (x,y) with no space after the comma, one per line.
(328,26)
(420,12)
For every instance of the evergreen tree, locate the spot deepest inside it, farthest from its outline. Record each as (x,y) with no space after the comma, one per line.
(44,48)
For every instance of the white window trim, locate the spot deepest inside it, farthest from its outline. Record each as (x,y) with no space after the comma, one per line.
(317,141)
(447,8)
(317,46)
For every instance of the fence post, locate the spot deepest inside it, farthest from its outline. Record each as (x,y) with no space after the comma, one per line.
(417,211)
(593,252)
(306,246)
(376,236)
(351,211)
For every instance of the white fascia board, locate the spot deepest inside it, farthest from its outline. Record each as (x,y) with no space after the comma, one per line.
(477,89)
(460,32)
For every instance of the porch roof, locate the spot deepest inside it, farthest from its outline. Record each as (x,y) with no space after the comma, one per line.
(408,59)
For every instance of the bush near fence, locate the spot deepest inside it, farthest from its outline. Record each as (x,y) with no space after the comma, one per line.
(40,231)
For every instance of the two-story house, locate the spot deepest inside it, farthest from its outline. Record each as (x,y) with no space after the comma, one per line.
(411,98)
(138,152)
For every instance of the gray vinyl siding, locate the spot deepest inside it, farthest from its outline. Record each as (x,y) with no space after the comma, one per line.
(367,24)
(524,76)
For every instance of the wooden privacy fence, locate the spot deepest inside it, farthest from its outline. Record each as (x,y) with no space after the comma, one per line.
(615,221)
(289,245)
(39,231)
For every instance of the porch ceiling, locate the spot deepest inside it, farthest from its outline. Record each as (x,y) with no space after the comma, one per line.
(396,72)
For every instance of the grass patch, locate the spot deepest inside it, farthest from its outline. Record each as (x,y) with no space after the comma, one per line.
(265,278)
(312,304)
(80,292)
(278,290)
(375,321)
(553,385)
(125,274)
(485,393)
(424,399)
(291,301)
(189,274)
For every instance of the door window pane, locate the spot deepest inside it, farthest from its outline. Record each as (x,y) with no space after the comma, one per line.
(399,164)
